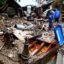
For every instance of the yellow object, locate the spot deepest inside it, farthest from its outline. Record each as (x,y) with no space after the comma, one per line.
(62,11)
(43,49)
(62,17)
(62,14)
(53,57)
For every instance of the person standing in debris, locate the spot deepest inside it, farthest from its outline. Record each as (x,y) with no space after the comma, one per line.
(50,17)
(57,15)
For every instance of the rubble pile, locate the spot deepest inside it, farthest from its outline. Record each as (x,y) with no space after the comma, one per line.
(30,32)
(12,38)
(14,31)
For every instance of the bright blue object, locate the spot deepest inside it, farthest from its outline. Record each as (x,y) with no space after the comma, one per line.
(59,34)
(50,16)
(57,13)
(62,25)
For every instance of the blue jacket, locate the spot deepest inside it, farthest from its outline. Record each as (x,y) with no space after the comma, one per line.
(50,16)
(57,13)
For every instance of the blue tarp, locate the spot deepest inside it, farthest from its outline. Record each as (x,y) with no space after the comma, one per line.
(59,34)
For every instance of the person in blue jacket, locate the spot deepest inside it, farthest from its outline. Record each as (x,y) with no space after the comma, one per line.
(57,15)
(50,17)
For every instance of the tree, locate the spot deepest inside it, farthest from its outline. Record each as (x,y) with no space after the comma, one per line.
(2,2)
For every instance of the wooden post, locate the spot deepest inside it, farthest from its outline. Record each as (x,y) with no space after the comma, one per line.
(63,11)
(41,10)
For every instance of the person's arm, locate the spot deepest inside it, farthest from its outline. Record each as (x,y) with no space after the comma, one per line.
(38,19)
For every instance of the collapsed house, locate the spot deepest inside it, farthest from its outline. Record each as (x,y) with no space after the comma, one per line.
(26,42)
(21,6)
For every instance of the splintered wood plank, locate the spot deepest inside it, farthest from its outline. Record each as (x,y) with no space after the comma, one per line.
(32,43)
(19,34)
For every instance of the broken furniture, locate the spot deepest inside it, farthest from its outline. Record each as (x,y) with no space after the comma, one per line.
(42,45)
(42,50)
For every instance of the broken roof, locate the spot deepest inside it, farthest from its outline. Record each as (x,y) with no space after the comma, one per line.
(36,3)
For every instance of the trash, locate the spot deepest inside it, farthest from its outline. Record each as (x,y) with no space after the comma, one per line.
(29,27)
(1,33)
(19,26)
(21,35)
(47,37)
(10,55)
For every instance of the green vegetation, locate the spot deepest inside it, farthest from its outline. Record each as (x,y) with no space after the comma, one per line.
(2,2)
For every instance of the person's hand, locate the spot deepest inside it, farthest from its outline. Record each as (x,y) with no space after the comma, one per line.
(28,36)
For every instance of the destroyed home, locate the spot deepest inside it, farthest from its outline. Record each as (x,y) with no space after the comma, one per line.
(31,32)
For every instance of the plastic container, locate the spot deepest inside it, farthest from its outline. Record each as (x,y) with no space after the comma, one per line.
(28,10)
(19,26)
(59,34)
